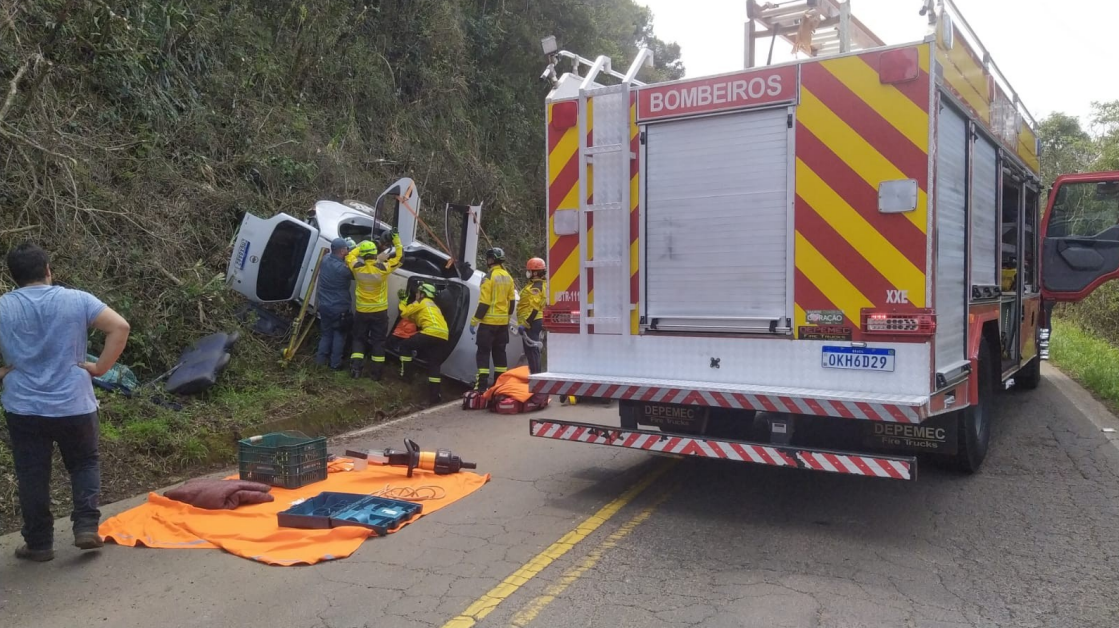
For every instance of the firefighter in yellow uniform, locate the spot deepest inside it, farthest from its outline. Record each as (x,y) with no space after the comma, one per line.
(430,344)
(530,312)
(371,302)
(491,320)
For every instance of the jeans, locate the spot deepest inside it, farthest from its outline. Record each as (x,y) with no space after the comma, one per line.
(33,439)
(333,341)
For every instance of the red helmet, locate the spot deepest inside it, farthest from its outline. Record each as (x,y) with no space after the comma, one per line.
(536,264)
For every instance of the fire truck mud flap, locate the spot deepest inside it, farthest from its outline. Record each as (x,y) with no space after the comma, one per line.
(845,462)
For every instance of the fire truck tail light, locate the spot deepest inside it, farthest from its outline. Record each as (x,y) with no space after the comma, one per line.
(561,319)
(917,323)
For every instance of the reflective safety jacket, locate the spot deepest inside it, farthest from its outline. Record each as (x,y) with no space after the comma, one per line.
(531,305)
(428,317)
(495,304)
(372,278)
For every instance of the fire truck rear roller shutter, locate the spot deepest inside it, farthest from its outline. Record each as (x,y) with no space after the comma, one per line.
(717,230)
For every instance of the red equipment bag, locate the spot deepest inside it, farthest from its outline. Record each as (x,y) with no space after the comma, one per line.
(473,400)
(507,405)
(538,401)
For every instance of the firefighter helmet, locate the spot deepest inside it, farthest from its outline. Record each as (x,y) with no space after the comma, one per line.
(367,249)
(428,289)
(497,254)
(536,264)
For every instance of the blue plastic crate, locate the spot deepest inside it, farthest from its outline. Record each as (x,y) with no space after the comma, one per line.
(332,510)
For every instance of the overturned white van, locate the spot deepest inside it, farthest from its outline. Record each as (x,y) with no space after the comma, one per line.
(274,260)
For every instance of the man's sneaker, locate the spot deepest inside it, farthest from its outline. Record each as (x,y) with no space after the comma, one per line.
(88,540)
(39,556)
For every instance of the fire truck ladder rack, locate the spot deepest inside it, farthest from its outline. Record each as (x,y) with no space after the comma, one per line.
(850,463)
(609,158)
(836,31)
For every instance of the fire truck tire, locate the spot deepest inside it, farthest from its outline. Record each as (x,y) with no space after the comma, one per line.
(1030,376)
(975,420)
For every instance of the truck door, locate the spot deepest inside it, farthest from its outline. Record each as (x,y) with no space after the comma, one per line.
(1080,249)
(271,256)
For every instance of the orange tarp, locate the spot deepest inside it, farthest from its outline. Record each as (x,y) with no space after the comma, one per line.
(253,532)
(512,383)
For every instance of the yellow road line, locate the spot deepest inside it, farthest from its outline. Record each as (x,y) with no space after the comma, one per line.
(531,610)
(511,584)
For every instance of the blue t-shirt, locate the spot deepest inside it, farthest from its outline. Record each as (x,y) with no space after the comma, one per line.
(335,287)
(44,331)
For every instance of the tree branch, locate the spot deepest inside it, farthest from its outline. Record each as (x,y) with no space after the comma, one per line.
(13,86)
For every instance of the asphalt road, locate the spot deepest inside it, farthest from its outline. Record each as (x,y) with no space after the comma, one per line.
(1029,541)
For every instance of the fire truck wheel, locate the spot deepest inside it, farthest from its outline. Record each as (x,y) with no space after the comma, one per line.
(1030,376)
(975,420)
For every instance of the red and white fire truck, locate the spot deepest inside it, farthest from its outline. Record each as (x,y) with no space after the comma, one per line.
(830,264)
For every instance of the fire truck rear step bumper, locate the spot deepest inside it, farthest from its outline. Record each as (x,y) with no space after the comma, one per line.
(845,404)
(892,467)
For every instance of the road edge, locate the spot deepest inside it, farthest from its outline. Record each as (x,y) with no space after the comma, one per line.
(1084,402)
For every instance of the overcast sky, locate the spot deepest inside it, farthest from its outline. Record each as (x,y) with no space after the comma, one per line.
(1053,65)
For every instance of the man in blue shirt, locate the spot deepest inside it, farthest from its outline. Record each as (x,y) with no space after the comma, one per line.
(333,294)
(48,395)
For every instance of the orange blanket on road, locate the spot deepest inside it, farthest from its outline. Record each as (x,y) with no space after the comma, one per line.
(252,531)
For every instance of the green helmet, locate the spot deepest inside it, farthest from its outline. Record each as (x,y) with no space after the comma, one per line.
(367,249)
(428,289)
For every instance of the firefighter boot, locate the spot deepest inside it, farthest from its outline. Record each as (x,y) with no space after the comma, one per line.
(434,390)
(482,384)
(356,365)
(376,369)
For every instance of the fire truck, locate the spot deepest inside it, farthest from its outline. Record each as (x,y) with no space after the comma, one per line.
(831,264)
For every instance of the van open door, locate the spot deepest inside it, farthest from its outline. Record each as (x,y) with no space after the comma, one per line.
(270,257)
(460,226)
(399,206)
(1080,246)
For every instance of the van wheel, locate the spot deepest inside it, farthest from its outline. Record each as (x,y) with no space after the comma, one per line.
(975,420)
(1030,376)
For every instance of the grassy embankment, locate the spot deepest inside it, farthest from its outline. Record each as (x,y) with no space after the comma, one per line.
(1087,358)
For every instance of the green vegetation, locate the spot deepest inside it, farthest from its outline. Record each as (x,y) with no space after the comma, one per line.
(1088,359)
(135,134)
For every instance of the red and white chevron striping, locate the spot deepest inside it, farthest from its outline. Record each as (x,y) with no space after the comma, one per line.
(869,411)
(744,452)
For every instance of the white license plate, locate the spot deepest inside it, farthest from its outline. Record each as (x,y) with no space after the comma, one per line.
(858,359)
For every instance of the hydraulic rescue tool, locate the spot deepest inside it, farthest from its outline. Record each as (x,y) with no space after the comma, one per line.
(441,461)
